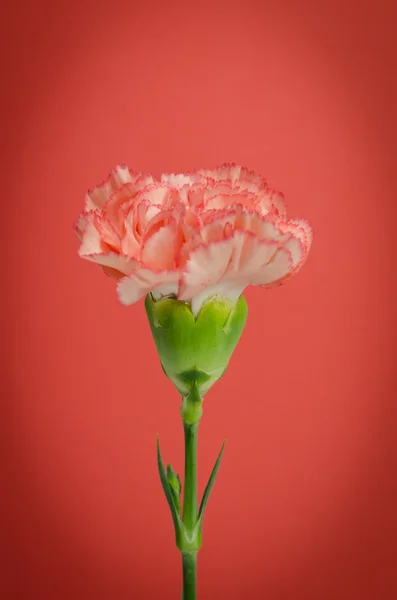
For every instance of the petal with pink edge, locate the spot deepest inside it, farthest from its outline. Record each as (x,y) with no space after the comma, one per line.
(80,225)
(276,270)
(160,249)
(142,281)
(205,266)
(301,236)
(226,267)
(178,180)
(96,198)
(96,234)
(116,263)
(91,242)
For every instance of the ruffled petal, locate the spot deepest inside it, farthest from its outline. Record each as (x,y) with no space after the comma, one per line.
(279,267)
(160,195)
(222,200)
(96,198)
(300,229)
(98,242)
(160,249)
(297,247)
(142,281)
(178,180)
(271,202)
(96,233)
(114,264)
(80,224)
(117,205)
(107,232)
(206,266)
(225,267)
(233,173)
(91,242)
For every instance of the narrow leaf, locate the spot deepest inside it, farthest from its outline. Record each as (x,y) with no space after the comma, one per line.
(210,483)
(166,488)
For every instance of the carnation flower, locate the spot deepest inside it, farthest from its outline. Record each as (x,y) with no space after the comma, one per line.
(191,236)
(191,244)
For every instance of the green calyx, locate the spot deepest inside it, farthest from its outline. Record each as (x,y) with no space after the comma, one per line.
(195,351)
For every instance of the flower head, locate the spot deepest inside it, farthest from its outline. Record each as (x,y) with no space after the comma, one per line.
(193,237)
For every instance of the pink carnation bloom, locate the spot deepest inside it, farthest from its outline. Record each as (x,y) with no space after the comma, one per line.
(195,236)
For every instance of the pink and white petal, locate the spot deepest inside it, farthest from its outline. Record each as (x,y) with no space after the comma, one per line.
(219,229)
(246,176)
(264,227)
(217,202)
(205,266)
(160,195)
(213,216)
(256,185)
(216,188)
(276,270)
(177,180)
(123,264)
(240,178)
(157,194)
(296,249)
(222,201)
(193,196)
(118,203)
(107,232)
(143,180)
(278,203)
(271,202)
(267,229)
(80,224)
(298,228)
(91,242)
(158,221)
(160,249)
(226,172)
(130,245)
(250,255)
(299,251)
(219,173)
(143,281)
(239,241)
(141,212)
(246,257)
(96,198)
(235,260)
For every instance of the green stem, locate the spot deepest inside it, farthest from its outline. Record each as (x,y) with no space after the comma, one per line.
(189,560)
(190,508)
(190,488)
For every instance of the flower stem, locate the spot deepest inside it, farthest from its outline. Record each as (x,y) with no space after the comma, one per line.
(190,508)
(190,491)
(189,560)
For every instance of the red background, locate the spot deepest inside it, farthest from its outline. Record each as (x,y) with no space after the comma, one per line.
(305,503)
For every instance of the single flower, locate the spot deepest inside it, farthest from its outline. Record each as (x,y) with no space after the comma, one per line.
(191,244)
(192,237)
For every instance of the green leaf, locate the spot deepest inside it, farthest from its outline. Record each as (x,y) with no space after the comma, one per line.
(168,493)
(209,486)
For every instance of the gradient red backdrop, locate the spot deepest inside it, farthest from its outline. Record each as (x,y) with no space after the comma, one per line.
(305,504)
